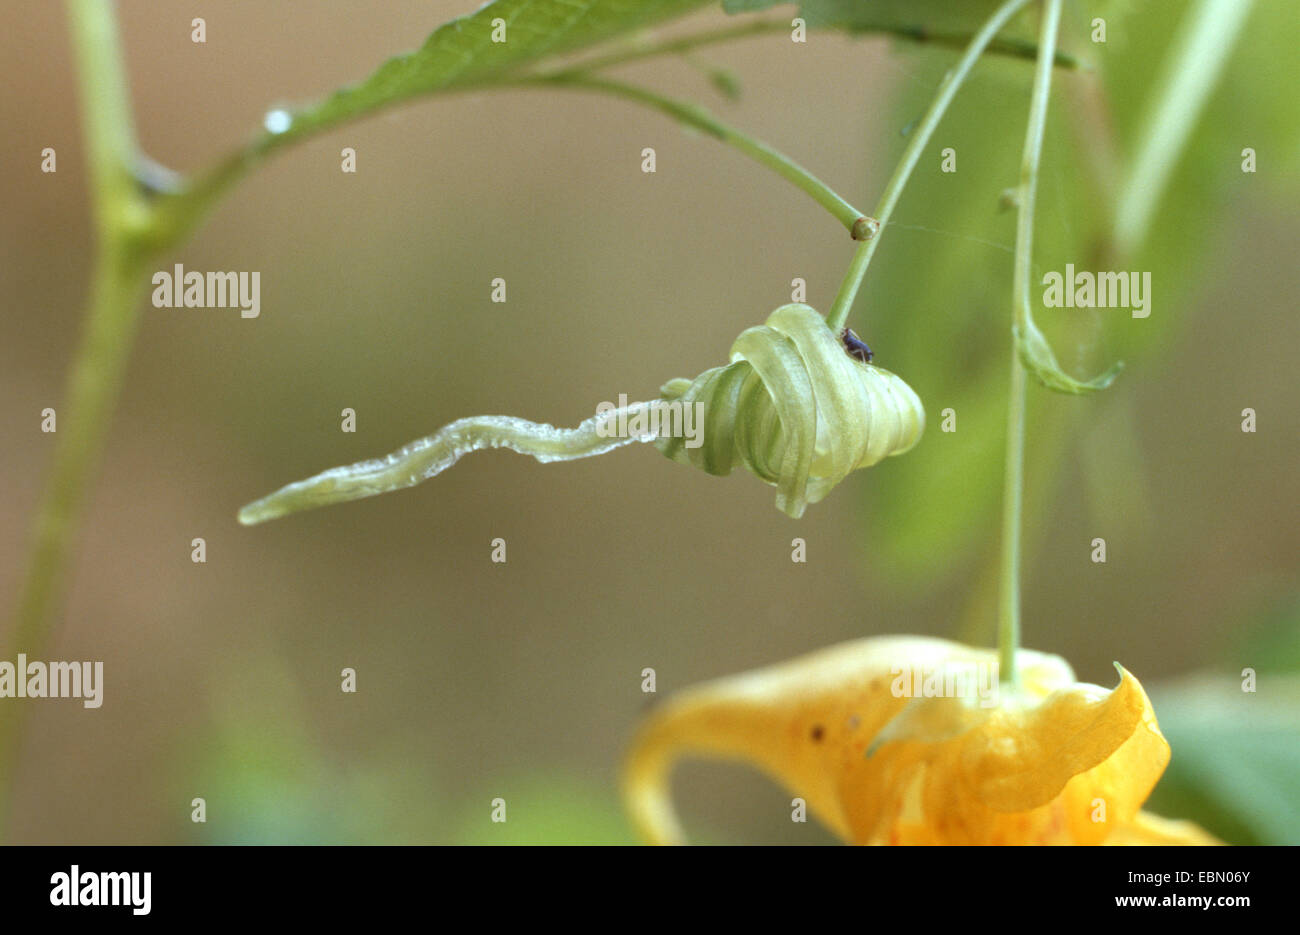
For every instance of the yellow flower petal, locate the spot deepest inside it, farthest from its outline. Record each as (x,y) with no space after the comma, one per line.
(1147,828)
(887,744)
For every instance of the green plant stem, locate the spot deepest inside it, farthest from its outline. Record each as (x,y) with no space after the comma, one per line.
(696,116)
(840,309)
(1013,490)
(120,215)
(1196,60)
(1012,507)
(179,213)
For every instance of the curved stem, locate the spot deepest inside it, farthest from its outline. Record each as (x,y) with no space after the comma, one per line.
(839,312)
(696,116)
(120,216)
(1013,490)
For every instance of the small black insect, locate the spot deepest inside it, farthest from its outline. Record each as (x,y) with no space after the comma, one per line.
(855,346)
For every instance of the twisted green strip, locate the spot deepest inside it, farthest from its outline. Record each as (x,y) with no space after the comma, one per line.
(792,407)
(796,410)
(429,457)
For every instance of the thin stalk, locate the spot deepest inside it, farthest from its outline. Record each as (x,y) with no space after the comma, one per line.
(1013,490)
(120,215)
(839,312)
(696,116)
(1012,508)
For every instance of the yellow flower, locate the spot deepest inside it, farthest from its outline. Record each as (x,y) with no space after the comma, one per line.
(910,740)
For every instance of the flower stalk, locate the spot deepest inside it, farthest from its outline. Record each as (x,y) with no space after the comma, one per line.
(952,81)
(1013,489)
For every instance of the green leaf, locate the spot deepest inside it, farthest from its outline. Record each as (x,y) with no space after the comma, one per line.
(462,54)
(1235,768)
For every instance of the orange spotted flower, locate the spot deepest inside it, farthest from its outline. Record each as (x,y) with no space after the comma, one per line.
(911,740)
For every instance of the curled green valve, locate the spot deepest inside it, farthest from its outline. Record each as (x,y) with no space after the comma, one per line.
(795,407)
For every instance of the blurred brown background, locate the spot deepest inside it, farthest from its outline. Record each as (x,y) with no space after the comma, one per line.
(522,680)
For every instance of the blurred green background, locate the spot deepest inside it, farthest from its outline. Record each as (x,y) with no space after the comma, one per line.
(478,680)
